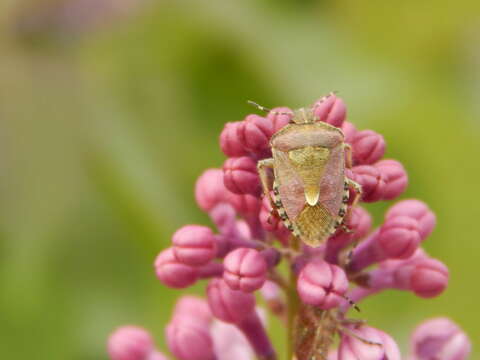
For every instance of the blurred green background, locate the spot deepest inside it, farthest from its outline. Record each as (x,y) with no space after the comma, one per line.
(110,109)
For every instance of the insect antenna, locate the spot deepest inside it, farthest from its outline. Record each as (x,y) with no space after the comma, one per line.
(331,93)
(352,334)
(351,302)
(263,108)
(258,106)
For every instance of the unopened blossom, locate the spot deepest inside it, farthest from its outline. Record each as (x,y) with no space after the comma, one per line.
(272,223)
(245,270)
(368,147)
(280,117)
(172,272)
(396,178)
(194,245)
(254,133)
(439,338)
(384,180)
(189,339)
(359,224)
(238,308)
(230,142)
(417,210)
(367,343)
(240,176)
(210,190)
(331,109)
(349,131)
(132,343)
(322,284)
(424,276)
(246,248)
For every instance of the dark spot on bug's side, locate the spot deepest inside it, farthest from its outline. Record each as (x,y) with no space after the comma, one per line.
(283,217)
(341,212)
(345,199)
(278,203)
(275,191)
(290,227)
(345,186)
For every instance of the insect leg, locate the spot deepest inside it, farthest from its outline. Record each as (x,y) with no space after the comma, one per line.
(357,188)
(349,332)
(350,254)
(265,179)
(348,155)
(282,213)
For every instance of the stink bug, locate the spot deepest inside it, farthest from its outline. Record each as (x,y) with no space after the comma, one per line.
(310,189)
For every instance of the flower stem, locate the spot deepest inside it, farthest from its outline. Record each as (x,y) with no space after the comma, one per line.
(293,304)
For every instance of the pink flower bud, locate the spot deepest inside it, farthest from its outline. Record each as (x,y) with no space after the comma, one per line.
(245,205)
(229,141)
(333,355)
(212,269)
(248,206)
(130,343)
(230,343)
(349,130)
(240,176)
(352,348)
(225,302)
(156,355)
(192,307)
(271,222)
(399,237)
(440,338)
(270,291)
(189,339)
(396,178)
(209,189)
(373,182)
(322,284)
(417,210)
(429,278)
(359,222)
(238,307)
(172,272)
(194,245)
(245,270)
(254,133)
(368,147)
(331,109)
(279,121)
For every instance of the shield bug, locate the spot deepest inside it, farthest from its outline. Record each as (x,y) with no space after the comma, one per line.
(309,191)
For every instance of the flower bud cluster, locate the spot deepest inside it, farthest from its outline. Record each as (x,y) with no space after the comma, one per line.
(241,253)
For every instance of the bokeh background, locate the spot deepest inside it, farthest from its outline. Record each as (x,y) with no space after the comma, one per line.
(110,109)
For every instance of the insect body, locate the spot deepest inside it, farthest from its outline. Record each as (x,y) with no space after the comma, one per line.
(310,189)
